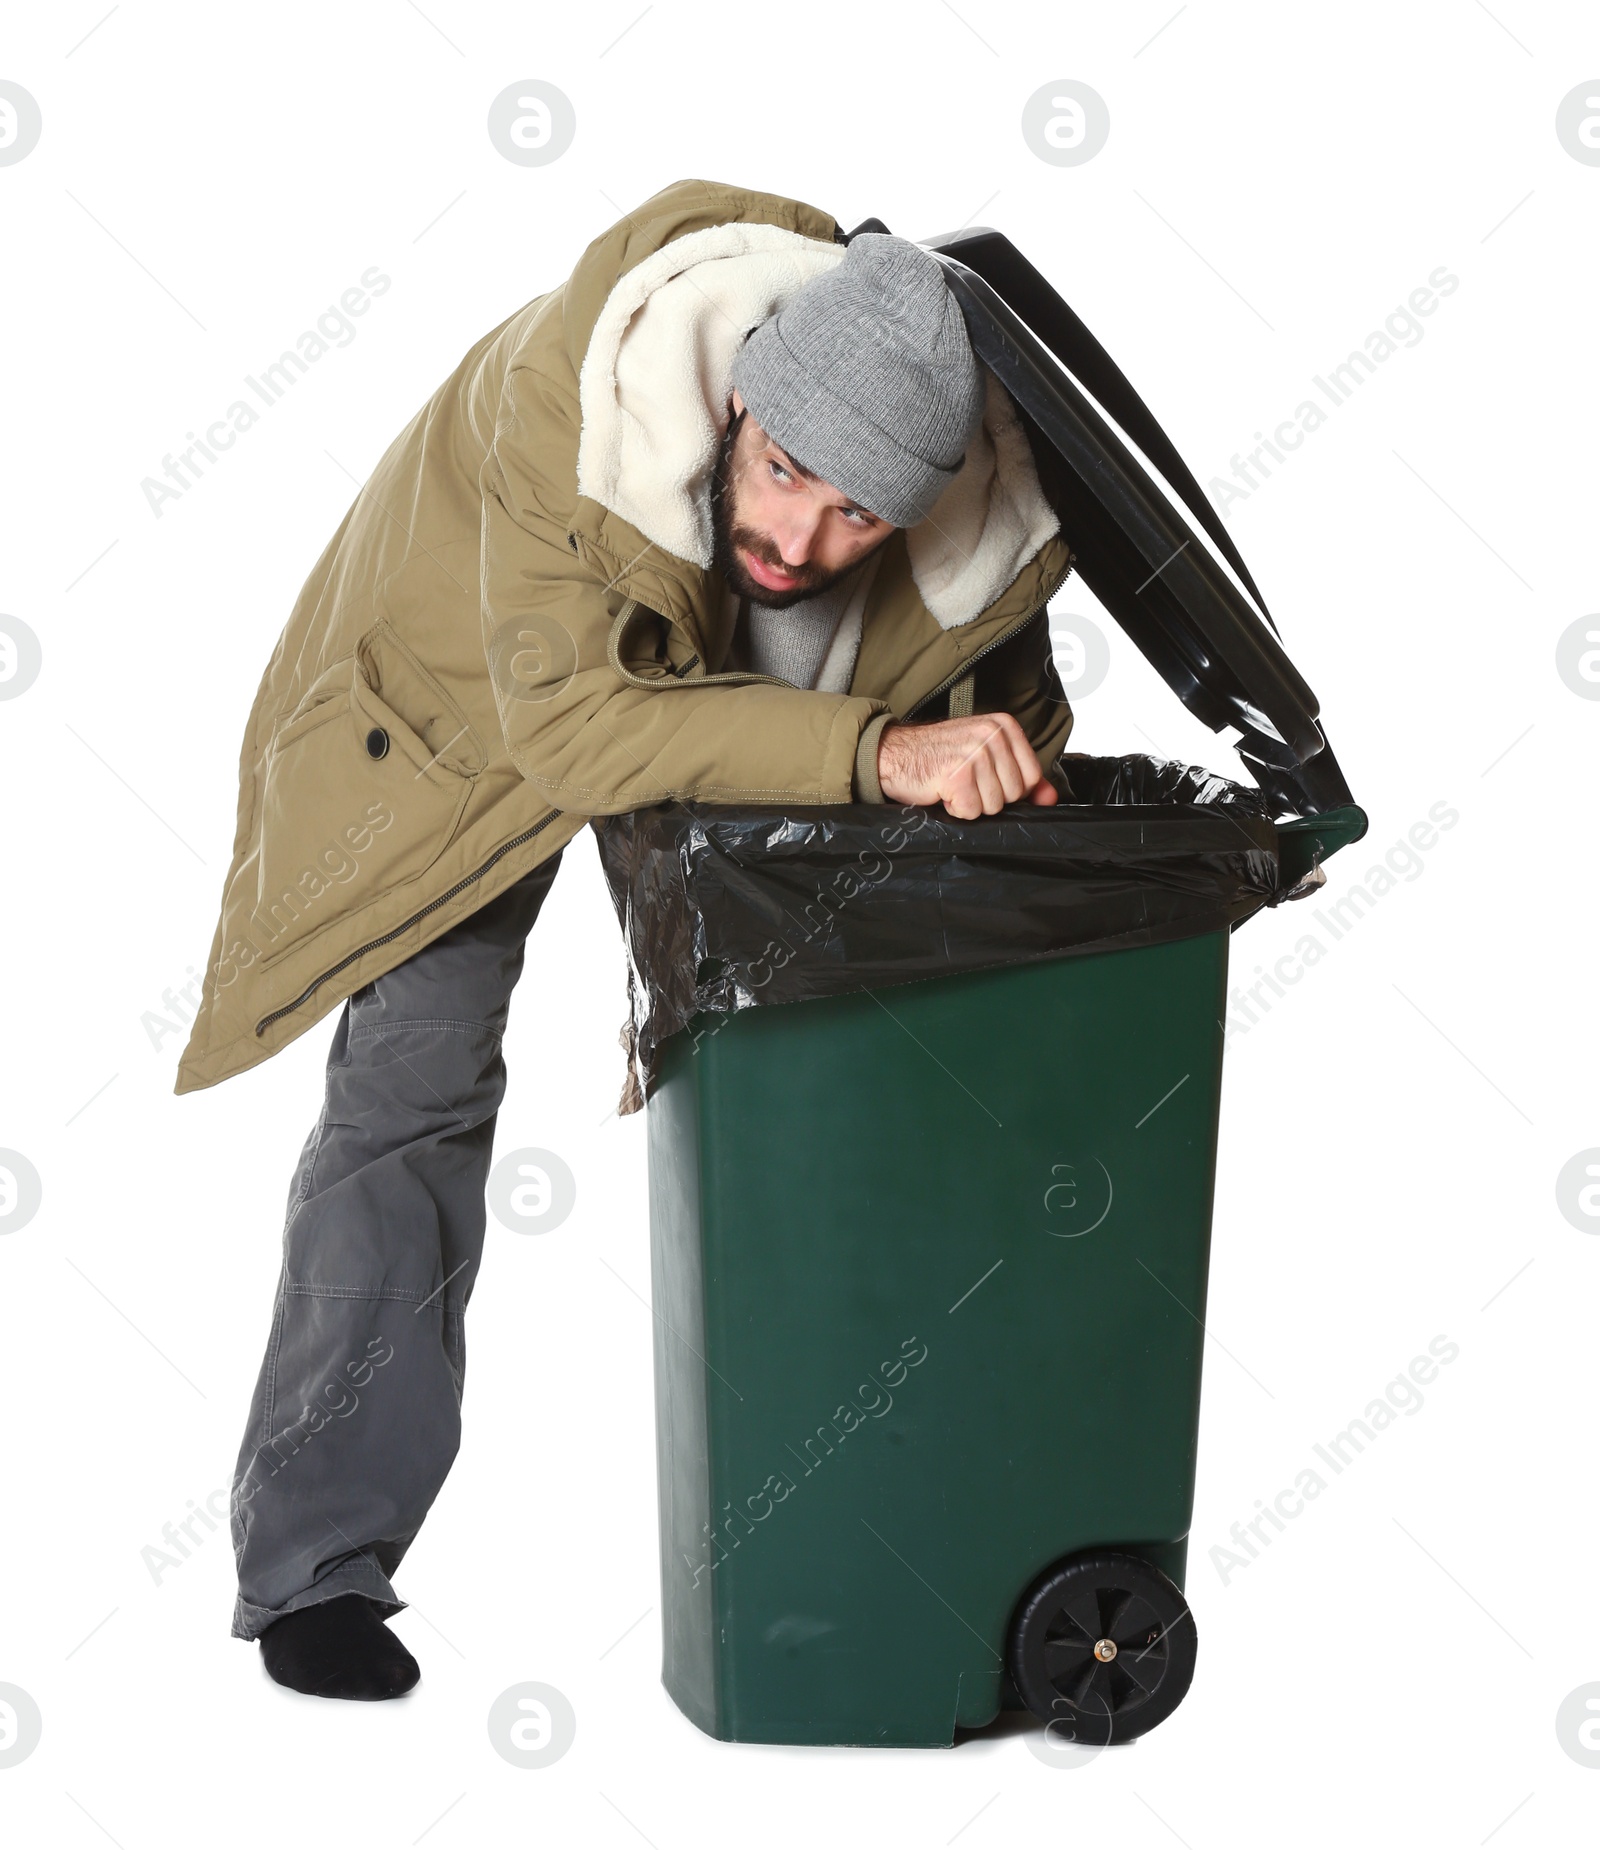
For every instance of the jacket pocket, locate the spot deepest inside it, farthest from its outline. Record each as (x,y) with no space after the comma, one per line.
(354,804)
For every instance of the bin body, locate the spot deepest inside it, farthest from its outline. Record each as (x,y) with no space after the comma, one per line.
(929,1268)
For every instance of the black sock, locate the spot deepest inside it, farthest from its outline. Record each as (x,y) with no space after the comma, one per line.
(339,1647)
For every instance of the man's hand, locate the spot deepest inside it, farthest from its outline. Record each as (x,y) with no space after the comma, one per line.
(974,766)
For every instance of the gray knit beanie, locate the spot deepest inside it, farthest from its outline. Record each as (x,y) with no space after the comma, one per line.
(866,376)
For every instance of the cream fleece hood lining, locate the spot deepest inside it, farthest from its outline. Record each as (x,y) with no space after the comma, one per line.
(656,379)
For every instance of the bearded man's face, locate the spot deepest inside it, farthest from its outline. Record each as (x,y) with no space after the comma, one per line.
(780,533)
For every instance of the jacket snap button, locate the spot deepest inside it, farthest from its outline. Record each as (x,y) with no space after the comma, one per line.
(377,742)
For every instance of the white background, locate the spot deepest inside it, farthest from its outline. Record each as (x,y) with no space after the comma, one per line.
(1275,183)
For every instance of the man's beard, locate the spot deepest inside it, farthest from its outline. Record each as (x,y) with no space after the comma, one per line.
(728,535)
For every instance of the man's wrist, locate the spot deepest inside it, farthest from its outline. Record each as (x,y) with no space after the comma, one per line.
(866,785)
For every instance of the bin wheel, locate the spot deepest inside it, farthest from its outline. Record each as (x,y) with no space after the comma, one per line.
(1103,1646)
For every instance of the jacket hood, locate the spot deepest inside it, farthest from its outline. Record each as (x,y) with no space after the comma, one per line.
(654,386)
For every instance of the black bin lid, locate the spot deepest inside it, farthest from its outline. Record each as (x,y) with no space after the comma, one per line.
(1166,581)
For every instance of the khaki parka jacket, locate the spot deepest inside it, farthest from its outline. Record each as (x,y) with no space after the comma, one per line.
(518,627)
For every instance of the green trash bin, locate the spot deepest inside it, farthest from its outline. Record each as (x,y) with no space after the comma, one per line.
(929,1259)
(929,1240)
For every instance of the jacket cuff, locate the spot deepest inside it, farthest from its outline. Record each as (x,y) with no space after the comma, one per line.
(867,788)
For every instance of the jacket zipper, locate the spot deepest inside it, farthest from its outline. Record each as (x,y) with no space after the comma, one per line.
(989,647)
(460,886)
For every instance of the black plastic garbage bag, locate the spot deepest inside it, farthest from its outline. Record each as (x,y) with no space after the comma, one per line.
(726,909)
(1157,781)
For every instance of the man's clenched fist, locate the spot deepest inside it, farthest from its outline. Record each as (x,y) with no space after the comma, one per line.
(974,766)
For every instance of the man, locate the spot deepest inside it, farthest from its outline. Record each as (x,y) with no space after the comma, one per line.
(733,515)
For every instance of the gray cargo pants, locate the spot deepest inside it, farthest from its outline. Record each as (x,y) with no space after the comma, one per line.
(356,1417)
